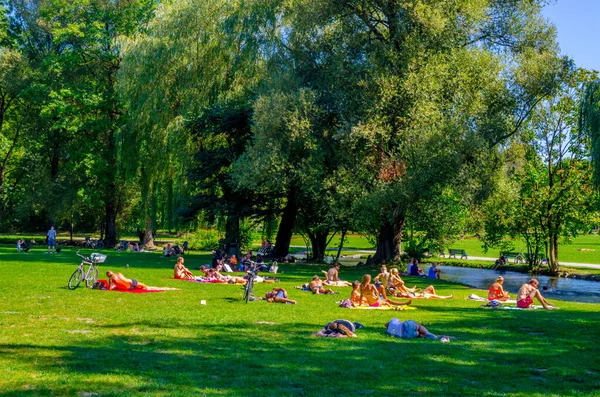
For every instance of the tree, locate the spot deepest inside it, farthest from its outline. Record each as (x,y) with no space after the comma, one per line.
(589,122)
(14,75)
(552,195)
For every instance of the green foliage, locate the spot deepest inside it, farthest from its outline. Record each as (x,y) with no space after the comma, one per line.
(589,122)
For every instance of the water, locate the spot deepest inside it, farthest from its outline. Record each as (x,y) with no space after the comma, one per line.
(567,289)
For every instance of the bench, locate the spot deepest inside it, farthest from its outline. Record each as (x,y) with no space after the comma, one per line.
(516,256)
(453,252)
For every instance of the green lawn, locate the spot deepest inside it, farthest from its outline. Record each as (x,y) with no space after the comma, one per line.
(86,342)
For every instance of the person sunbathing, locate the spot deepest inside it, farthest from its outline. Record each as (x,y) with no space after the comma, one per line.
(316,286)
(120,282)
(382,277)
(332,277)
(529,291)
(355,295)
(396,285)
(497,292)
(428,293)
(408,329)
(371,294)
(278,295)
(181,272)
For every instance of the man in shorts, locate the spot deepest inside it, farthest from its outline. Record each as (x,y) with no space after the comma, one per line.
(408,329)
(51,239)
(529,291)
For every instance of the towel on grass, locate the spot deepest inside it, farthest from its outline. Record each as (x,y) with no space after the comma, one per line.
(478,298)
(385,308)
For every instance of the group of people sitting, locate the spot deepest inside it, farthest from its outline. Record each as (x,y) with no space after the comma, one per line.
(525,295)
(22,245)
(174,250)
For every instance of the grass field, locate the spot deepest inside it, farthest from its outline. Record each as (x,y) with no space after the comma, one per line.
(86,342)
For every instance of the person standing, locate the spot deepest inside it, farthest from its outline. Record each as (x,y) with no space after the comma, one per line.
(51,236)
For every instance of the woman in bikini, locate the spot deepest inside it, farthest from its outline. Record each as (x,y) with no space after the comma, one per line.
(371,294)
(401,291)
(497,292)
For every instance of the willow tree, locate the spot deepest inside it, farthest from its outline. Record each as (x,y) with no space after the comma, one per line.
(589,122)
(193,54)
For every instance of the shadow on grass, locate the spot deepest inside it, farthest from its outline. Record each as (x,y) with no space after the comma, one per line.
(254,358)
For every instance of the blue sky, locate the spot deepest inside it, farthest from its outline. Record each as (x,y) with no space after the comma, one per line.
(578,26)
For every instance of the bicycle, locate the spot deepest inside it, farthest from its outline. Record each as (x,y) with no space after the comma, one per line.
(250,285)
(91,276)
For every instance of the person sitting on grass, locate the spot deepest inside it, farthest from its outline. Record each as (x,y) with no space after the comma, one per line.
(383,277)
(496,292)
(529,291)
(181,272)
(355,297)
(371,294)
(316,286)
(278,295)
(499,262)
(413,268)
(396,284)
(332,277)
(408,329)
(168,251)
(434,271)
(120,282)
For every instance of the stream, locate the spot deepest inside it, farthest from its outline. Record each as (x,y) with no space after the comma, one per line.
(567,289)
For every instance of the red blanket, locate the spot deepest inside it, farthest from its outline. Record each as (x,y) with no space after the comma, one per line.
(137,290)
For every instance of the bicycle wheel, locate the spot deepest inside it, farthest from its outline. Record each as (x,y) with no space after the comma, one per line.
(248,290)
(75,279)
(91,276)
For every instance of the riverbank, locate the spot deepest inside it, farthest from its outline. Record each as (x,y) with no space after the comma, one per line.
(590,274)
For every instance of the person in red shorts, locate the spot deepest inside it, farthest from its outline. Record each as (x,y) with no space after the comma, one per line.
(529,291)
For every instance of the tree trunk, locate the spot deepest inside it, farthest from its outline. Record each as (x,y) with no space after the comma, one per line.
(1,195)
(232,229)
(339,253)
(318,242)
(286,226)
(110,239)
(148,238)
(388,240)
(553,253)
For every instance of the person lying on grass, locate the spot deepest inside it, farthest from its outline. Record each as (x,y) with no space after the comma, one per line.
(278,295)
(181,272)
(332,277)
(118,281)
(408,329)
(337,329)
(529,291)
(316,286)
(428,293)
(371,294)
(497,292)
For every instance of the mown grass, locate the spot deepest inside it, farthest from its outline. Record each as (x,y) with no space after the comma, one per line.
(60,342)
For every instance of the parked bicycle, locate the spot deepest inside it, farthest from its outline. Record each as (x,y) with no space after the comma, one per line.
(91,276)
(250,285)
